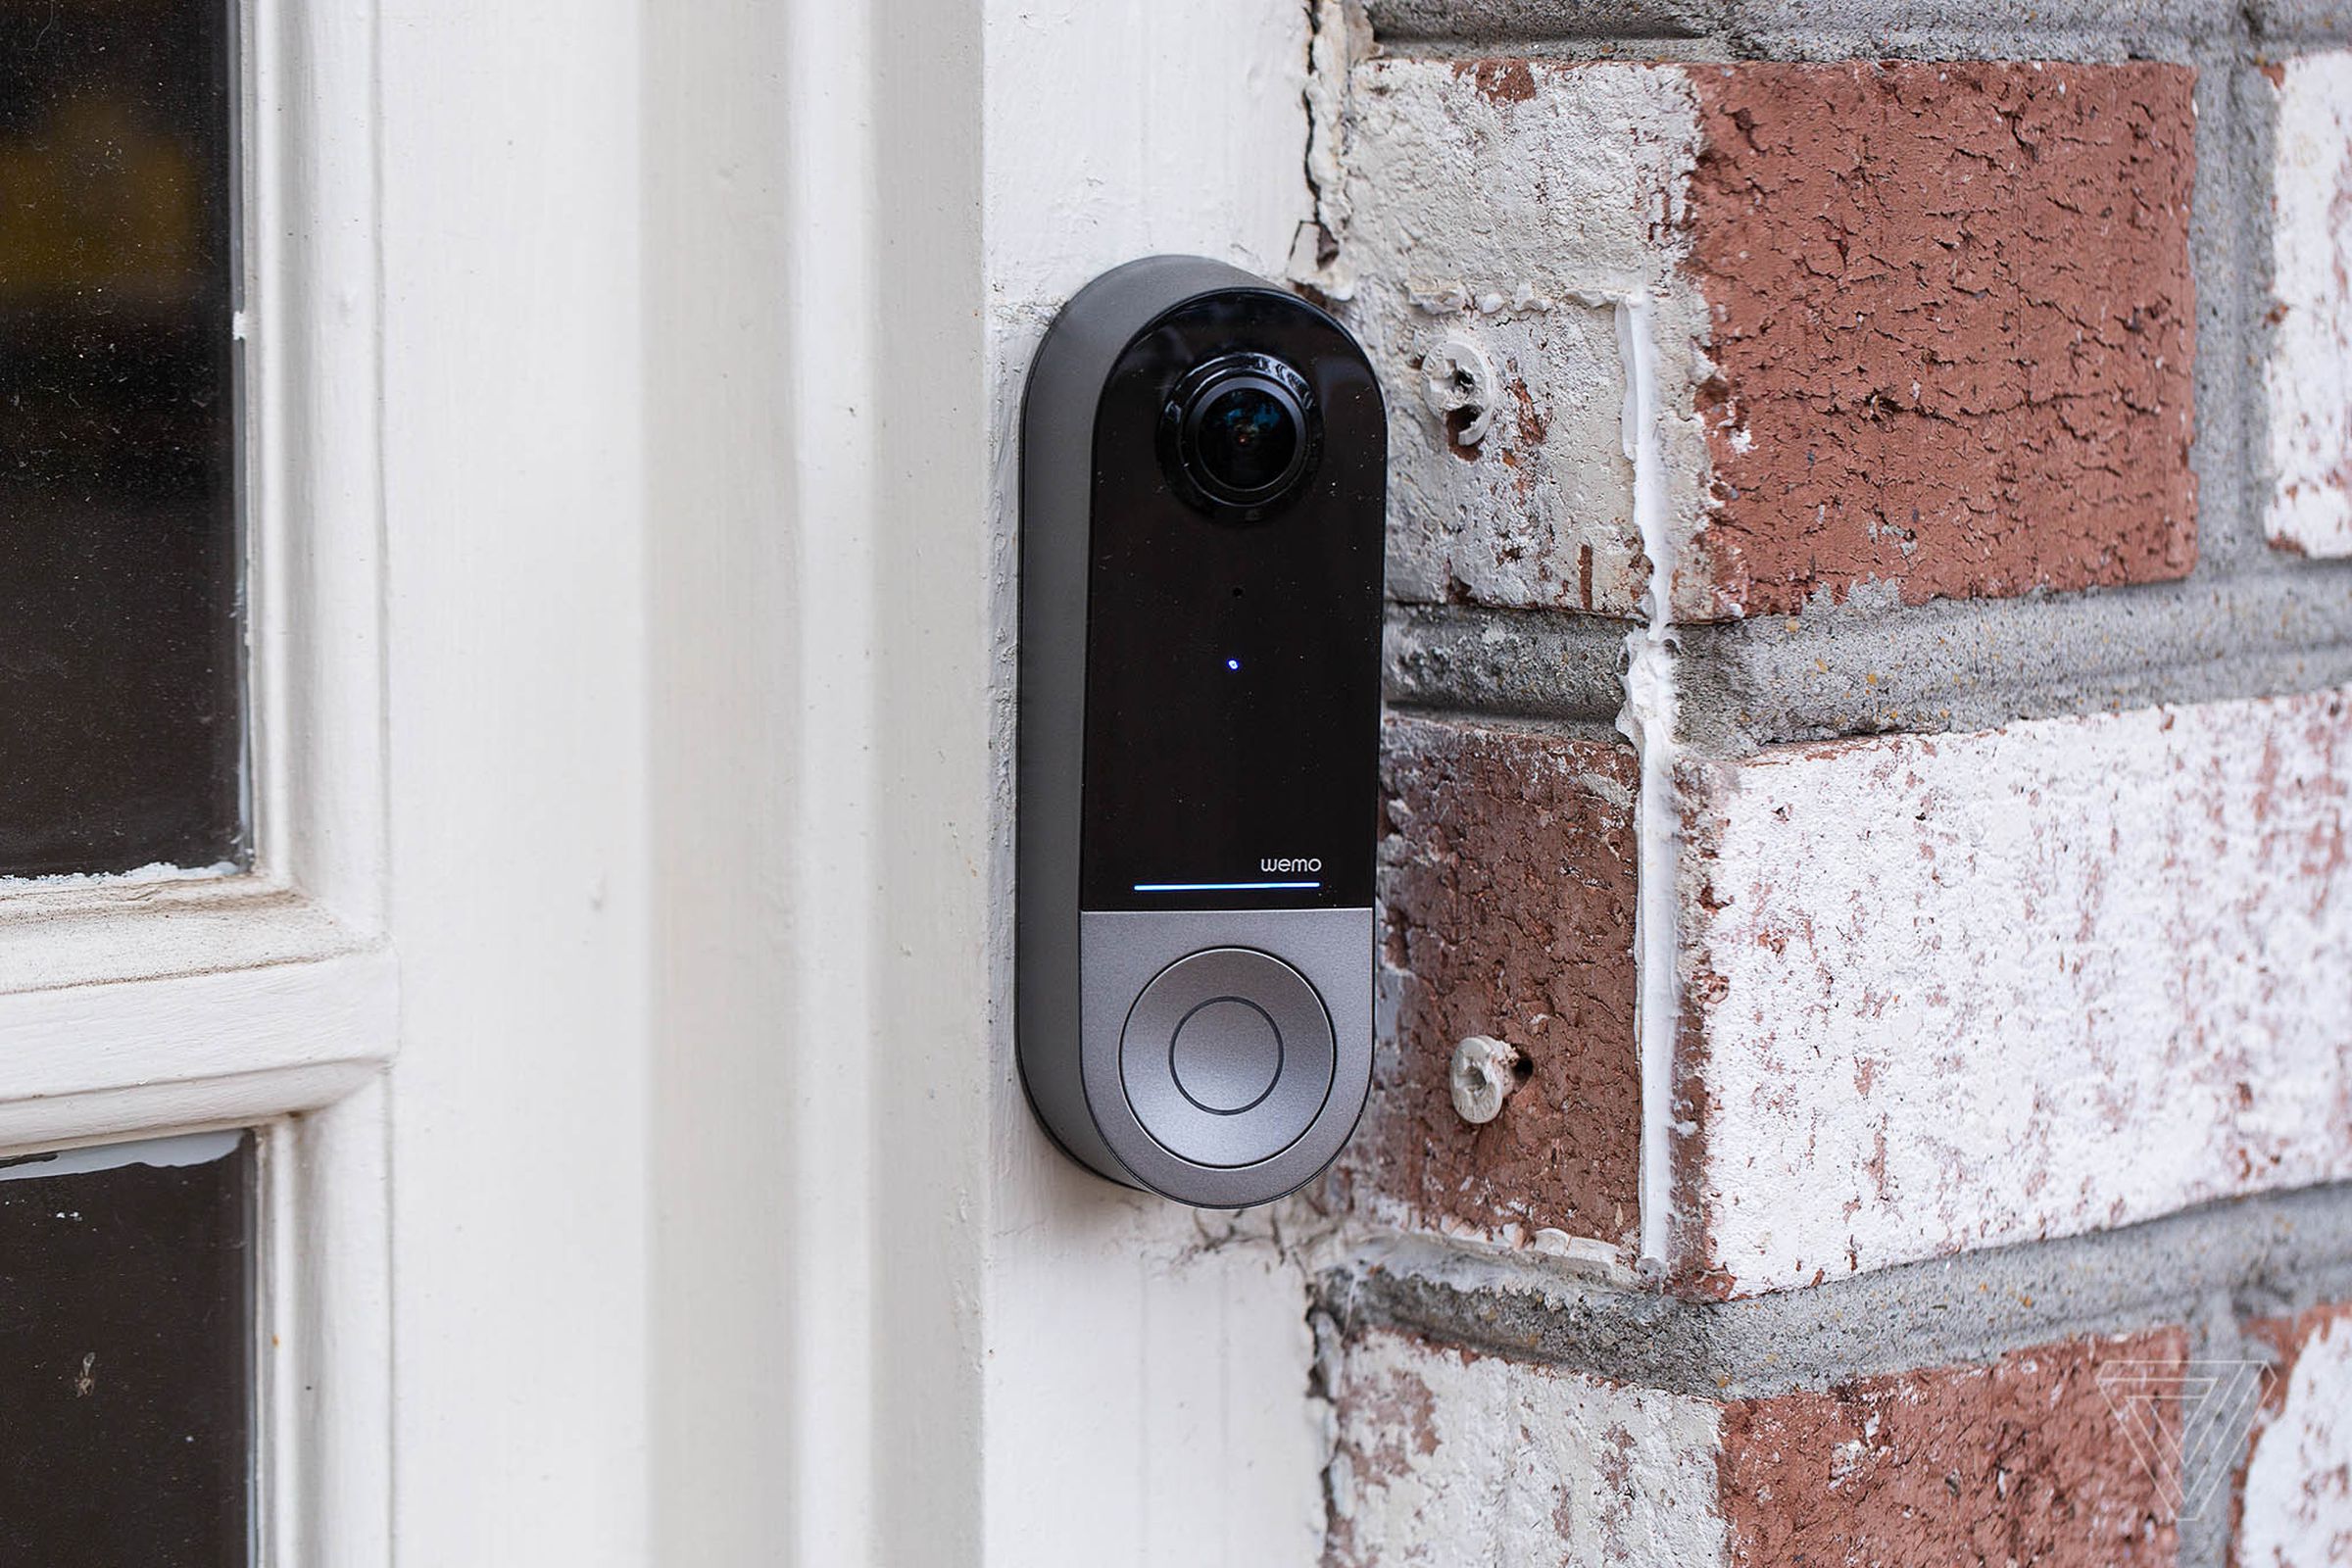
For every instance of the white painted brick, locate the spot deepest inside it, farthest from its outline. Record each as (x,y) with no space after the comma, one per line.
(1517,210)
(1948,992)
(1447,1459)
(2309,374)
(1539,511)
(2299,1487)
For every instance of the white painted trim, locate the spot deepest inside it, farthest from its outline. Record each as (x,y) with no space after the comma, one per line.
(104,933)
(314,123)
(325,1352)
(315,465)
(762,310)
(193,1030)
(520,1106)
(143,1111)
(891,1325)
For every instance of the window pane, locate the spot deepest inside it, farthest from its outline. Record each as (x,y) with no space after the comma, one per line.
(126,1353)
(120,719)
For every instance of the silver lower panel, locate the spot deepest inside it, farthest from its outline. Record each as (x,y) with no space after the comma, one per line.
(1121,954)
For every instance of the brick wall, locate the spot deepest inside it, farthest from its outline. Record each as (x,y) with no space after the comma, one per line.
(1925,1000)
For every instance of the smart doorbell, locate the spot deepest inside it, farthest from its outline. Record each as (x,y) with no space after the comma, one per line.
(1204,464)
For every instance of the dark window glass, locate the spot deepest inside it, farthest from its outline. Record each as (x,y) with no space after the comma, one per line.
(121,721)
(126,1354)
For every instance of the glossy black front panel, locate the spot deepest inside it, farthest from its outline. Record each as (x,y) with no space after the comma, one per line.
(1233,675)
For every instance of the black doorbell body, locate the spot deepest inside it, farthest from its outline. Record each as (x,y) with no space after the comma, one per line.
(1204,464)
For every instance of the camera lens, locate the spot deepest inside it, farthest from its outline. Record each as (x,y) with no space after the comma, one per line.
(1244,435)
(1245,439)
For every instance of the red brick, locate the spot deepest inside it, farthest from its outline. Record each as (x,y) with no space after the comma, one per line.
(1507,882)
(2023,1461)
(1952,323)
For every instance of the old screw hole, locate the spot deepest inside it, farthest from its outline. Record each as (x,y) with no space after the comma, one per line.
(1458,385)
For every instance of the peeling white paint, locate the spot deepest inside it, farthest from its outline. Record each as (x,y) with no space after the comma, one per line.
(2309,374)
(1341,35)
(137,876)
(1449,1459)
(2298,1487)
(1517,221)
(1968,989)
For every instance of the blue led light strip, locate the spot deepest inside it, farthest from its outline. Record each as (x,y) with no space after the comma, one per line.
(1216,887)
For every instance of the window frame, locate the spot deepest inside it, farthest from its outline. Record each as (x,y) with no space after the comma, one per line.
(136,1006)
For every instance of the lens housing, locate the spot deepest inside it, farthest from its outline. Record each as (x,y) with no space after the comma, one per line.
(1240,436)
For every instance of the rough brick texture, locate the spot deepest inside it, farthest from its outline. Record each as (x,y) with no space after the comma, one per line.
(1923,324)
(1952,992)
(1952,326)
(1888,331)
(1507,889)
(1445,1457)
(2295,1500)
(1448,1457)
(2308,375)
(1515,206)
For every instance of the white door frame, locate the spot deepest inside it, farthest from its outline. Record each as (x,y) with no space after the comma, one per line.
(632,601)
(962,1349)
(512,406)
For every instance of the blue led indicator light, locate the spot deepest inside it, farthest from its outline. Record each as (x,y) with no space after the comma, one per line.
(1216,887)
(1233,664)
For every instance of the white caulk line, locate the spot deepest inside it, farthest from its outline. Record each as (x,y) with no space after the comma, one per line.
(1648,720)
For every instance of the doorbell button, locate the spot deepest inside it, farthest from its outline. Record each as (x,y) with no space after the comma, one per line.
(1227,1056)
